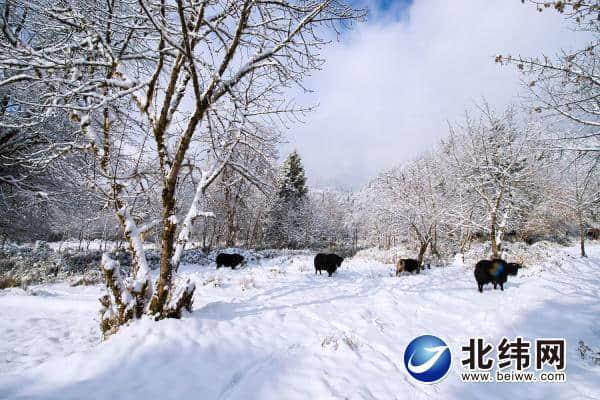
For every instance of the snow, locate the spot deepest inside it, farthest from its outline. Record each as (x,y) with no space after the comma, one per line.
(46,322)
(459,259)
(274,330)
(137,246)
(184,234)
(108,263)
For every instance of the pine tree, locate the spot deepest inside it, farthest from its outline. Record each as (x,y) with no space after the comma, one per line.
(287,224)
(292,182)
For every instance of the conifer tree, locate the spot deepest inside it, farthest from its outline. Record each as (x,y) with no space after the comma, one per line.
(292,182)
(287,224)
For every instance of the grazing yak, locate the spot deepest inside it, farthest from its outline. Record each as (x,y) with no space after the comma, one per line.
(229,260)
(409,265)
(494,271)
(328,262)
(513,268)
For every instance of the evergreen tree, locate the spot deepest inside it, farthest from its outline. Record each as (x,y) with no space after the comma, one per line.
(287,225)
(292,182)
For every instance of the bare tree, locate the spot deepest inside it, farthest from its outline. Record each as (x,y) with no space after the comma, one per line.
(568,84)
(146,81)
(492,162)
(408,199)
(39,177)
(239,197)
(567,88)
(330,219)
(576,193)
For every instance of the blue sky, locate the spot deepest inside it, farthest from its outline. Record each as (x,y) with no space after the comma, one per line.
(386,5)
(392,84)
(385,10)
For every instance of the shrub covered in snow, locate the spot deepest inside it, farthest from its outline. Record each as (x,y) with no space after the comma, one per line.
(385,256)
(39,263)
(10,281)
(22,265)
(587,353)
(518,252)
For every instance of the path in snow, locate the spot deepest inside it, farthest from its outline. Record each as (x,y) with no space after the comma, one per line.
(277,331)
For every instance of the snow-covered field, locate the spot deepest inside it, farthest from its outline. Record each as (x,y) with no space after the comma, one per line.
(277,331)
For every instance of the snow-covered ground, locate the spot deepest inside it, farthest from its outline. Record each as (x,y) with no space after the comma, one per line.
(277,331)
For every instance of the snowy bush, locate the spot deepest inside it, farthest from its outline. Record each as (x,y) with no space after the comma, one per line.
(88,278)
(518,252)
(193,256)
(587,353)
(39,263)
(10,281)
(386,256)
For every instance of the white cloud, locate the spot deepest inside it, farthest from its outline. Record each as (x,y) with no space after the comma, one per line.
(388,90)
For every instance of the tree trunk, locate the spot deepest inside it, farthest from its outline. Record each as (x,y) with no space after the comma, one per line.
(204,234)
(581,233)
(493,236)
(422,250)
(163,285)
(231,228)
(80,238)
(253,231)
(434,250)
(230,210)
(465,242)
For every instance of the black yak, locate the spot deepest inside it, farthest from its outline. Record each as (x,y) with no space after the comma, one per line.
(408,265)
(495,272)
(513,268)
(229,260)
(328,262)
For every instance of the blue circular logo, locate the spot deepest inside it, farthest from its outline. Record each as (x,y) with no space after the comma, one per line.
(427,359)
